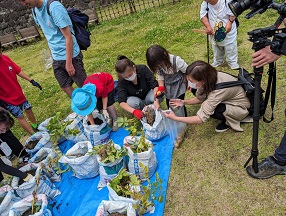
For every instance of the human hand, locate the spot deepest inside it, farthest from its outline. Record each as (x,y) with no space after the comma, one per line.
(160,92)
(228,27)
(169,114)
(176,102)
(263,57)
(105,114)
(137,113)
(34,83)
(70,69)
(156,105)
(209,30)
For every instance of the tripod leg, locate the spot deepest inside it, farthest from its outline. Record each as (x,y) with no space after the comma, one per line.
(208,49)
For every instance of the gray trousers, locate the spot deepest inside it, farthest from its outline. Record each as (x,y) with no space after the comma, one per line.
(137,103)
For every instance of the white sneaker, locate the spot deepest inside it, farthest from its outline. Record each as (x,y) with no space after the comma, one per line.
(216,64)
(234,66)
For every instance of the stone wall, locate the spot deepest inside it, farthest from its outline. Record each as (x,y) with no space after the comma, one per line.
(14,16)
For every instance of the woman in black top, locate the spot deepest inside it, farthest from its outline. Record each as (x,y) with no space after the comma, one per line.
(6,122)
(136,86)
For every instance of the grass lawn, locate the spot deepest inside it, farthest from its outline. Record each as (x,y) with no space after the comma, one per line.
(207,174)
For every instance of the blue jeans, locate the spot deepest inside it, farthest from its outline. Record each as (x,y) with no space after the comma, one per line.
(280,152)
(17,111)
(137,103)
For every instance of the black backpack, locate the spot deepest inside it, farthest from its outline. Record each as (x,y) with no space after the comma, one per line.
(80,25)
(248,83)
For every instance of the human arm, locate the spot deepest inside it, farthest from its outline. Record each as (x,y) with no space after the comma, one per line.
(136,112)
(14,172)
(228,25)
(189,120)
(26,77)
(104,105)
(69,50)
(206,23)
(263,57)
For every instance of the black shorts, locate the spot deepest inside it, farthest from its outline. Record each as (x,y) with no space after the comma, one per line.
(110,101)
(62,76)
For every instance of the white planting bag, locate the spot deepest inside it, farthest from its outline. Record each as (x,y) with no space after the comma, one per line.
(76,124)
(44,156)
(115,206)
(43,139)
(107,171)
(158,129)
(97,134)
(82,161)
(44,124)
(9,199)
(23,205)
(147,158)
(45,186)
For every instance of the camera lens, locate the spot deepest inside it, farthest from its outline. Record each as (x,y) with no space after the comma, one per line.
(238,6)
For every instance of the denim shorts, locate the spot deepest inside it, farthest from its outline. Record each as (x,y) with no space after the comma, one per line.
(62,76)
(17,111)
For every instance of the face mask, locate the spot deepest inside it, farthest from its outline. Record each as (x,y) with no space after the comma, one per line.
(132,77)
(193,85)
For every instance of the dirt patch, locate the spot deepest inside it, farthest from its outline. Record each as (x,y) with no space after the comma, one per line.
(149,115)
(31,145)
(97,121)
(29,211)
(117,214)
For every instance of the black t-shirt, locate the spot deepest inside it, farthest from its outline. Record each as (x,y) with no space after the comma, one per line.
(146,82)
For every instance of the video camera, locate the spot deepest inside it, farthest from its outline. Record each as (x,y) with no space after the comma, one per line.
(278,44)
(256,6)
(260,38)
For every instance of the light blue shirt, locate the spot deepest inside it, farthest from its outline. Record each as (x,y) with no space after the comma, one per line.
(51,24)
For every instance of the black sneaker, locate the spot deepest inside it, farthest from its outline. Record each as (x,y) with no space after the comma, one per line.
(24,159)
(266,169)
(222,127)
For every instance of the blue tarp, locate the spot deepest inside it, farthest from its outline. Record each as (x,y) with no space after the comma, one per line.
(81,197)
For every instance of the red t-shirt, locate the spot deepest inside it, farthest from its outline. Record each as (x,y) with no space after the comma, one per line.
(103,81)
(10,90)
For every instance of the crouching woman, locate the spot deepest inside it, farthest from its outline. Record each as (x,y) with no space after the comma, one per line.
(228,104)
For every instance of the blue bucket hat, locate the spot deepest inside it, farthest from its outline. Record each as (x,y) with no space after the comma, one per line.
(84,100)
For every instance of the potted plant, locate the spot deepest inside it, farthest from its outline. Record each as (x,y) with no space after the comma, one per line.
(154,123)
(140,150)
(110,158)
(127,187)
(81,159)
(132,125)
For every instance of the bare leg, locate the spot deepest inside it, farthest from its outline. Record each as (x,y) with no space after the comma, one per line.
(25,125)
(31,116)
(112,112)
(68,90)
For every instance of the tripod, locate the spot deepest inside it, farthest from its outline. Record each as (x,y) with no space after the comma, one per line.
(259,37)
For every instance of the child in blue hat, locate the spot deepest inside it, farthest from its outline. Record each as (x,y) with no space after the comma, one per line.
(96,93)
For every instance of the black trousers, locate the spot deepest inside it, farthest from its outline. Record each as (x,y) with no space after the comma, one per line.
(13,143)
(10,171)
(218,113)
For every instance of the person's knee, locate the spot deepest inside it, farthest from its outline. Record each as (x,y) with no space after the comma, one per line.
(134,103)
(21,118)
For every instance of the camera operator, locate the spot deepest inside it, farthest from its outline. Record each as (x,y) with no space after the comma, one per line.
(276,164)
